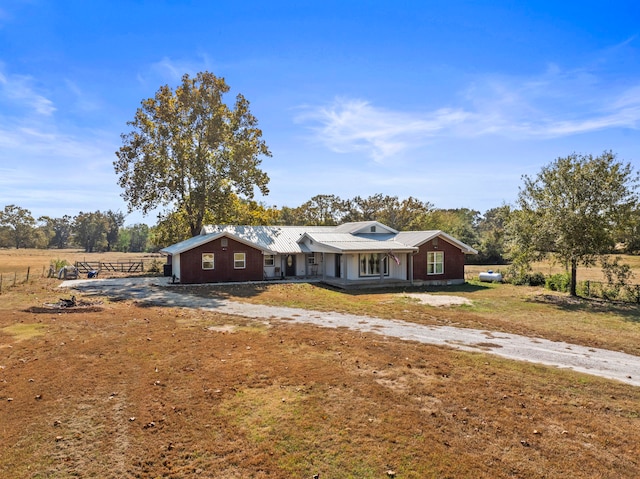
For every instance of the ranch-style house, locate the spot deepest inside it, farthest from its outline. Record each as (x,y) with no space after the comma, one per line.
(363,253)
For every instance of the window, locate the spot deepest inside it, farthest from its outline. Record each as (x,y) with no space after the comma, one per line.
(239,260)
(224,242)
(269,260)
(311,259)
(207,261)
(435,262)
(370,264)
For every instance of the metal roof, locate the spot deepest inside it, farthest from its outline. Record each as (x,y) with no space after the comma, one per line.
(350,242)
(290,239)
(417,238)
(201,239)
(360,227)
(277,239)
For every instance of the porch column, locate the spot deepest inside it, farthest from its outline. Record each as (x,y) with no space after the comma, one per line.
(343,258)
(410,263)
(324,267)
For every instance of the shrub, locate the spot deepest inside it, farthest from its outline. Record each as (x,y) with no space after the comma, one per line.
(558,282)
(527,279)
(155,266)
(56,265)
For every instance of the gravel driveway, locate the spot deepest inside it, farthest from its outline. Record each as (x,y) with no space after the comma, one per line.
(598,362)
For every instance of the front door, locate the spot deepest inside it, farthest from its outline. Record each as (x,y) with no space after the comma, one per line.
(338,261)
(290,265)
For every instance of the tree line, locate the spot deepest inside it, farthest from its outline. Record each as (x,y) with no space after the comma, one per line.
(104,231)
(94,232)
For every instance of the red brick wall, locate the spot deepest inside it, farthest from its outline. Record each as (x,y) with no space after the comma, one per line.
(453,262)
(191,263)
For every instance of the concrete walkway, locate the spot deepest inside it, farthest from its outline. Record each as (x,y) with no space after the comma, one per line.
(599,362)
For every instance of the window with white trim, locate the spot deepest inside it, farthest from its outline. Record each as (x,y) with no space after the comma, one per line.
(311,259)
(435,262)
(370,264)
(269,260)
(239,260)
(207,261)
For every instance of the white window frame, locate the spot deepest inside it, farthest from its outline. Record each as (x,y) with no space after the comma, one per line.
(435,262)
(208,261)
(311,260)
(239,260)
(269,260)
(371,264)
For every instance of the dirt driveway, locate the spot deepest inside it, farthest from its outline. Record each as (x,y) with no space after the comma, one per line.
(598,362)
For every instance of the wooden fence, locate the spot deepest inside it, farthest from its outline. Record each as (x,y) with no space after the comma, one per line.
(10,279)
(114,266)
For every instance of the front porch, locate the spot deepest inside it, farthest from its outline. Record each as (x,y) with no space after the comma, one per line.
(351,284)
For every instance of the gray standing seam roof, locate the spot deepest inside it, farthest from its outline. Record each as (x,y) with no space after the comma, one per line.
(285,239)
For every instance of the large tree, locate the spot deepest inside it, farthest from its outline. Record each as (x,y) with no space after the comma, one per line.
(91,230)
(191,153)
(115,220)
(572,209)
(20,225)
(58,230)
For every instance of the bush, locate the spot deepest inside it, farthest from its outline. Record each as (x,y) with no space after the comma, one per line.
(155,266)
(558,282)
(56,265)
(528,279)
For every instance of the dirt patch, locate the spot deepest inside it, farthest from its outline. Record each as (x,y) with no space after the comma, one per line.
(438,299)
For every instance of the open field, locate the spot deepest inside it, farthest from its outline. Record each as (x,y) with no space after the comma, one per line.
(18,260)
(550,267)
(124,391)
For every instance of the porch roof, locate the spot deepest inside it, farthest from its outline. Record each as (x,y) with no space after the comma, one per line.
(345,242)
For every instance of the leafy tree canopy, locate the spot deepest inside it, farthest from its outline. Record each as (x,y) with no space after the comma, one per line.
(91,230)
(572,210)
(190,152)
(20,225)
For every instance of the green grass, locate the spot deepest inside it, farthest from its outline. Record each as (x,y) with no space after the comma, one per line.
(23,331)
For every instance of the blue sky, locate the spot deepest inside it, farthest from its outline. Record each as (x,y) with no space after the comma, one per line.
(447,101)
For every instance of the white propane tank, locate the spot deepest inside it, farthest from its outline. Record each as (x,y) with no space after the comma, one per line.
(490,277)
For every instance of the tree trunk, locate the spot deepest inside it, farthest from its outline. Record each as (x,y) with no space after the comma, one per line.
(573,285)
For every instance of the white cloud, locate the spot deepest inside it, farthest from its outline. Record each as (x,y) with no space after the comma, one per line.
(170,71)
(553,104)
(356,125)
(18,90)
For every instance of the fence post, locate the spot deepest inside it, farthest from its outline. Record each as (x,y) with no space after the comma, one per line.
(588,283)
(15,277)
(28,272)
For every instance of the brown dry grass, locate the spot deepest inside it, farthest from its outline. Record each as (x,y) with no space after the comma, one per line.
(18,260)
(145,392)
(551,267)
